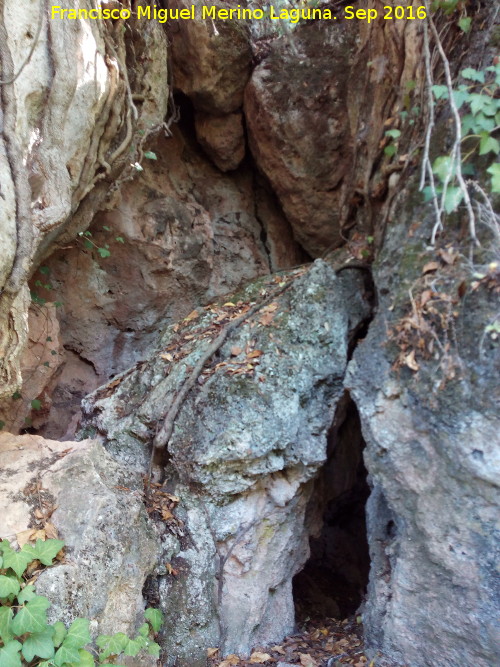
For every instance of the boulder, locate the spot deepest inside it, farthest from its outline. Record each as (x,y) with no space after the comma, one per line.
(97,509)
(247,444)
(430,422)
(299,129)
(222,138)
(211,59)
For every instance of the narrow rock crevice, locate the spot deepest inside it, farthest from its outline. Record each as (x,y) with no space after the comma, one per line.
(333,581)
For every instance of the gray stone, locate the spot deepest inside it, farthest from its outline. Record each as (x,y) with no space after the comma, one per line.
(243,455)
(110,544)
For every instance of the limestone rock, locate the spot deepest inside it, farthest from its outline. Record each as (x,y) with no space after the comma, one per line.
(434,464)
(298,128)
(66,120)
(39,363)
(248,441)
(190,233)
(222,138)
(111,547)
(211,59)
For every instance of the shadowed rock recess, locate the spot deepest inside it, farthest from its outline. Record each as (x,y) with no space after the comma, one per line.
(213,230)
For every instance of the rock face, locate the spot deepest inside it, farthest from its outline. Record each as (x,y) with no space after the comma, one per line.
(247,444)
(67,119)
(189,233)
(433,458)
(211,60)
(111,547)
(305,168)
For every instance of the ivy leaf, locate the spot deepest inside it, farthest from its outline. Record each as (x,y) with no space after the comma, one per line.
(66,654)
(134,646)
(464,24)
(484,123)
(440,92)
(44,270)
(478,102)
(39,644)
(44,551)
(120,239)
(112,645)
(36,404)
(452,199)
(59,633)
(443,167)
(488,144)
(150,155)
(390,150)
(394,134)
(86,659)
(459,97)
(468,124)
(78,634)
(472,74)
(494,170)
(9,585)
(155,618)
(154,649)
(144,630)
(17,560)
(6,616)
(104,252)
(9,655)
(32,617)
(27,594)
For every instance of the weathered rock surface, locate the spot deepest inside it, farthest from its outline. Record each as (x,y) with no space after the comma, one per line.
(211,59)
(190,233)
(67,120)
(247,444)
(222,138)
(39,364)
(111,547)
(291,92)
(434,463)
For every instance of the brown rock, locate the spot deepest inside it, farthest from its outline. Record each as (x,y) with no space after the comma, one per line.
(211,60)
(298,127)
(222,138)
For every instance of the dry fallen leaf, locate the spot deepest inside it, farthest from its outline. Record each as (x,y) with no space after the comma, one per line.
(51,531)
(228,304)
(278,649)
(211,652)
(167,356)
(166,515)
(307,661)
(25,536)
(235,351)
(255,354)
(192,316)
(257,657)
(411,362)
(425,296)
(230,660)
(430,267)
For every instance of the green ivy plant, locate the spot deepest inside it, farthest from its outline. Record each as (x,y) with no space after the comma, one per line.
(479,102)
(26,637)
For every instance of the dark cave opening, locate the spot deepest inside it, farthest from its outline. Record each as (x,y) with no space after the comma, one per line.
(333,582)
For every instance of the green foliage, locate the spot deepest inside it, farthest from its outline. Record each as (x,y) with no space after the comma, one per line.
(27,639)
(479,104)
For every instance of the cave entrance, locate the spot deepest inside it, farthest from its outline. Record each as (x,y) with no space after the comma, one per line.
(333,582)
